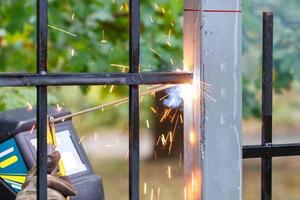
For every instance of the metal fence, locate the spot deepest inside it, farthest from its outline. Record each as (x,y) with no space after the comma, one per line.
(267,150)
(133,79)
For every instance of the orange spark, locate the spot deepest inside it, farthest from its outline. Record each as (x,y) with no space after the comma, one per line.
(29,106)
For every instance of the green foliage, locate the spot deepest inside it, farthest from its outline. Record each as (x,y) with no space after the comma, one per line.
(286,48)
(87,36)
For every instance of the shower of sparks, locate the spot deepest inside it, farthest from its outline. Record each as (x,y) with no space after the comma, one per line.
(155,52)
(61,30)
(29,106)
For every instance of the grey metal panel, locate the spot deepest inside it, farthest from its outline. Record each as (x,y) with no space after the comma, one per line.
(222,137)
(221,5)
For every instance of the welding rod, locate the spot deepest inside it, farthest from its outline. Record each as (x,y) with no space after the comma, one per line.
(117,102)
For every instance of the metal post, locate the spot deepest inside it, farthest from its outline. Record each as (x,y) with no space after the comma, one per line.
(41,111)
(134,59)
(222,135)
(266,163)
(193,109)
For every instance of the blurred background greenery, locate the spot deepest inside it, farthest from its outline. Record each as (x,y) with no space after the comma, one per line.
(92,36)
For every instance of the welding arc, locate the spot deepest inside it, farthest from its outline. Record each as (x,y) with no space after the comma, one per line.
(153,89)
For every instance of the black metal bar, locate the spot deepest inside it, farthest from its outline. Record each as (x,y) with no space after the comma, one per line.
(93,79)
(266,163)
(42,100)
(134,62)
(274,150)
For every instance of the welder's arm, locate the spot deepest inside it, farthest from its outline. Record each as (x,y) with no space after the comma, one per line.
(58,188)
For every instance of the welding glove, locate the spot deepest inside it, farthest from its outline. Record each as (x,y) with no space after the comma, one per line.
(59,188)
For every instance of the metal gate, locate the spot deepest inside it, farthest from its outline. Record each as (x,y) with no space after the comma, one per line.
(267,150)
(133,79)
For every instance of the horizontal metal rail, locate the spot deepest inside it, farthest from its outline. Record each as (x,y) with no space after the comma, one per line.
(56,79)
(274,150)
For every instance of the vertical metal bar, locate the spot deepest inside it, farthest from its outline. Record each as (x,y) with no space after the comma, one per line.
(134,59)
(41,111)
(266,164)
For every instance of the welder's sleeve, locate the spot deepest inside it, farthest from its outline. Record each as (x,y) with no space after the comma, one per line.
(59,188)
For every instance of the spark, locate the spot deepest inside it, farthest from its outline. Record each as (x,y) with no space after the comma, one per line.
(163,140)
(72,52)
(185,194)
(145,188)
(180,159)
(169,172)
(118,65)
(172,62)
(151,198)
(29,106)
(158,193)
(73,16)
(32,129)
(81,139)
(111,88)
(153,110)
(95,137)
(163,11)
(164,97)
(110,145)
(147,122)
(141,98)
(58,108)
(169,34)
(169,43)
(158,139)
(61,30)
(156,6)
(172,24)
(192,137)
(126,155)
(155,52)
(103,40)
(151,19)
(181,118)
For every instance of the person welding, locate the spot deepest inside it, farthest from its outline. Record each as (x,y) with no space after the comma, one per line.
(59,187)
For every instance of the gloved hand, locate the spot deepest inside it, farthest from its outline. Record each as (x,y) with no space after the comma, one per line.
(59,188)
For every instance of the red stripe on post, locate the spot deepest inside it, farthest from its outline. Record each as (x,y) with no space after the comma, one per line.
(213,11)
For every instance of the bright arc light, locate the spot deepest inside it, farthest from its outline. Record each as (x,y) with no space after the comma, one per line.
(188,91)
